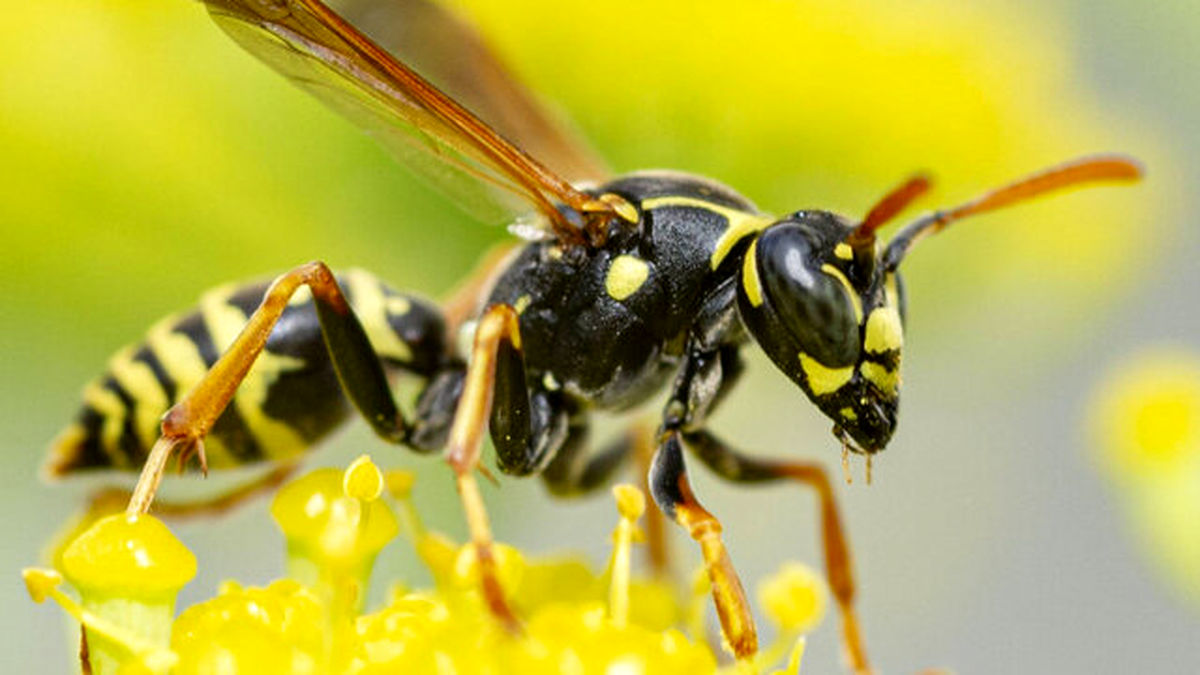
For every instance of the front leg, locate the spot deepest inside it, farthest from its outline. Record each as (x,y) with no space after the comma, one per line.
(700,384)
(673,494)
(740,468)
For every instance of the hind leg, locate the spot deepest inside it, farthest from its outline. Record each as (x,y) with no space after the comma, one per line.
(358,368)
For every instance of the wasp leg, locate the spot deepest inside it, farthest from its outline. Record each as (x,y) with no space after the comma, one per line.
(528,426)
(497,341)
(673,494)
(359,371)
(658,546)
(112,500)
(574,471)
(734,466)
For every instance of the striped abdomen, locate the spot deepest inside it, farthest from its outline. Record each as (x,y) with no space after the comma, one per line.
(289,400)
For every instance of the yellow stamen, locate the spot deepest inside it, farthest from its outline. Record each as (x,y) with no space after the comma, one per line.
(631,503)
(363,480)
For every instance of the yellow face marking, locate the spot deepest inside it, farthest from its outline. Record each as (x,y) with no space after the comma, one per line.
(741,223)
(854,299)
(884,331)
(149,399)
(844,251)
(108,404)
(750,281)
(626,274)
(890,291)
(823,379)
(224,322)
(373,309)
(848,413)
(888,381)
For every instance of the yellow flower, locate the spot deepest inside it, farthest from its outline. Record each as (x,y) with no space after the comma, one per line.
(279,628)
(1146,418)
(794,597)
(127,570)
(575,620)
(1145,424)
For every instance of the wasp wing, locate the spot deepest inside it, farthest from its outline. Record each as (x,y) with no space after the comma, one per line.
(430,132)
(448,50)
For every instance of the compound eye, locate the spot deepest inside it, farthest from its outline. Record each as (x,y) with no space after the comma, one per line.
(812,298)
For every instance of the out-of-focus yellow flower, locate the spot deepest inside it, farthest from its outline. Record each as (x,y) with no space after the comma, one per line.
(794,597)
(575,620)
(1145,424)
(1147,416)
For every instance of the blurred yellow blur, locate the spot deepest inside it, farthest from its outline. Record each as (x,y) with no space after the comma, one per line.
(1145,428)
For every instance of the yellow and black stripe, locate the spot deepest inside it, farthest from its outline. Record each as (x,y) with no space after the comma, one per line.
(289,400)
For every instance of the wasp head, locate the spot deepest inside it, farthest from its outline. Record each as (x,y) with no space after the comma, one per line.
(829,315)
(825,301)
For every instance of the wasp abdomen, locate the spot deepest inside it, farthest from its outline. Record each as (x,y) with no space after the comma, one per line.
(289,400)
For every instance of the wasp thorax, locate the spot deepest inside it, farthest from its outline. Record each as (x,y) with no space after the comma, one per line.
(828,322)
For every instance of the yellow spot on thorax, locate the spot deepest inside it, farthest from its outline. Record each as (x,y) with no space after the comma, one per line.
(522,303)
(622,207)
(626,274)
(823,379)
(844,251)
(740,223)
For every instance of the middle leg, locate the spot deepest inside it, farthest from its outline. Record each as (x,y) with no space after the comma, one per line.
(740,468)
(524,432)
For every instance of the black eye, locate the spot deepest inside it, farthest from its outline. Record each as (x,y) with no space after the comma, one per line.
(811,298)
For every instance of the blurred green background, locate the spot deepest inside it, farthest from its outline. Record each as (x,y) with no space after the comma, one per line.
(144,158)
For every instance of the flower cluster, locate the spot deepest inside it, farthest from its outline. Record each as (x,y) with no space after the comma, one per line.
(1146,423)
(128,569)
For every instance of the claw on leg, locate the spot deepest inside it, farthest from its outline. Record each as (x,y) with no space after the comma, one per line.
(152,473)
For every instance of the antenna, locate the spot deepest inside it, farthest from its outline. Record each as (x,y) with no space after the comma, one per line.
(1095,169)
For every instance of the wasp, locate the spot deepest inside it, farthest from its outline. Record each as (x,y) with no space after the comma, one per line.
(625,287)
